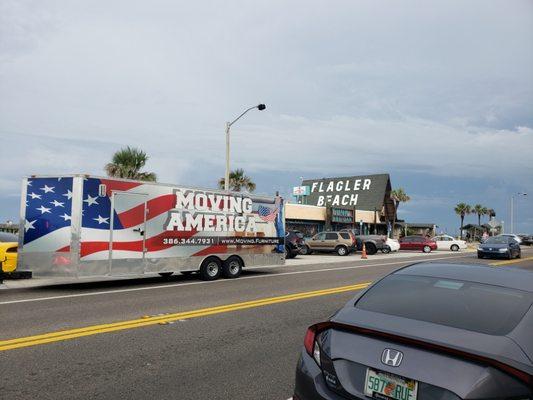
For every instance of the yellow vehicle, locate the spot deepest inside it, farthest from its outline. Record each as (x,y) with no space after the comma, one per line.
(8,256)
(8,253)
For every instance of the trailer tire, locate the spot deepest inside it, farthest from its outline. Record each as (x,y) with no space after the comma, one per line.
(211,269)
(232,268)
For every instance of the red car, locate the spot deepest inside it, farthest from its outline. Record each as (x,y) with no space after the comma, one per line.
(417,243)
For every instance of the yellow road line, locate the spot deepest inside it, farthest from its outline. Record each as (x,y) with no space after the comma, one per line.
(515,261)
(159,319)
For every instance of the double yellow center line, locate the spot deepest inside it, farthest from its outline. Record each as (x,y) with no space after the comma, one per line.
(508,262)
(166,318)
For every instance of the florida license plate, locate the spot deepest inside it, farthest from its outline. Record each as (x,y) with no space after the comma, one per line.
(386,386)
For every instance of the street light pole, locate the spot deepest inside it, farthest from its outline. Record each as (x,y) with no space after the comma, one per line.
(226,176)
(260,107)
(512,211)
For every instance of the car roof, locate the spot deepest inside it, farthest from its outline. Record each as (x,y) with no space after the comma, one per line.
(507,277)
(8,237)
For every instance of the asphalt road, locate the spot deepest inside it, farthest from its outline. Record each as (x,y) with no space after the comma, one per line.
(178,338)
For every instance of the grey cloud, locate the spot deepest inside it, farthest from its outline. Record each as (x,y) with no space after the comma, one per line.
(445,87)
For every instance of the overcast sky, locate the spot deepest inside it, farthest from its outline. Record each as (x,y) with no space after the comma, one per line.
(437,93)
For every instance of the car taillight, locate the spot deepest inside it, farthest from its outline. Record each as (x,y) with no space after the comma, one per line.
(309,340)
(310,343)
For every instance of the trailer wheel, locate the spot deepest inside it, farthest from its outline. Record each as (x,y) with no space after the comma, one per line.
(232,268)
(210,269)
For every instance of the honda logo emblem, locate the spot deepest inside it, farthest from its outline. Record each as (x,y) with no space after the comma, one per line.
(391,357)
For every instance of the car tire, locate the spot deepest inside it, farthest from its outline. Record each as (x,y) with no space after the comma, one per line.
(165,274)
(519,255)
(341,251)
(306,250)
(385,250)
(232,268)
(370,249)
(480,256)
(289,253)
(454,247)
(211,269)
(426,249)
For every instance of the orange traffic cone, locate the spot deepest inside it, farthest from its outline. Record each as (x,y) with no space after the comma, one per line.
(363,252)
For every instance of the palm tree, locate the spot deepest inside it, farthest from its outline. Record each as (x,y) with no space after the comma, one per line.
(398,196)
(462,209)
(238,181)
(127,163)
(485,211)
(491,213)
(479,210)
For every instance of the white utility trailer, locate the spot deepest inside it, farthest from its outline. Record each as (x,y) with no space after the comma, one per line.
(88,226)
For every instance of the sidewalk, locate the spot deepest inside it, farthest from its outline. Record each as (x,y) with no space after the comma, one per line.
(333,258)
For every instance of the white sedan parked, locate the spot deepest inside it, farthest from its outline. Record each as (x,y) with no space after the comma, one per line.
(445,242)
(391,245)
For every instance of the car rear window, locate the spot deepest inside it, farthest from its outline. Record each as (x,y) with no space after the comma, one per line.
(494,310)
(345,235)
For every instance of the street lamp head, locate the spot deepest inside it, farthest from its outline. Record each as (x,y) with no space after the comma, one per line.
(261,107)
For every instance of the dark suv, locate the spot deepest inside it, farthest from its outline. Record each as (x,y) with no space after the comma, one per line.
(294,242)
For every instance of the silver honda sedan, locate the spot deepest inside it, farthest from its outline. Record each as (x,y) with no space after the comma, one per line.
(428,331)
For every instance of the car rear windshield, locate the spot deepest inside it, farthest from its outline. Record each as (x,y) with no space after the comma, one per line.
(494,310)
(498,240)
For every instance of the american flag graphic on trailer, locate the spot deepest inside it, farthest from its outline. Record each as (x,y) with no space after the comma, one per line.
(128,218)
(48,213)
(268,214)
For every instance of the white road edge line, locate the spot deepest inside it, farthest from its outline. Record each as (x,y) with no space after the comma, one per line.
(67,296)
